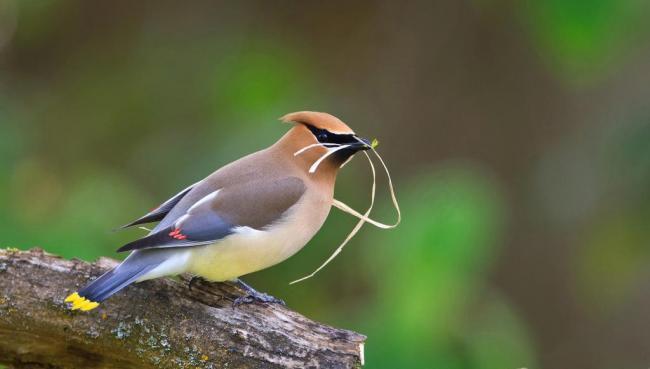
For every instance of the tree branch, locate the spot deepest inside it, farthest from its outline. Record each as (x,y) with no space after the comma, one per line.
(154,324)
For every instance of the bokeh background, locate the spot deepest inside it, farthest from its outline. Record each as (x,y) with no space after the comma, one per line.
(518,133)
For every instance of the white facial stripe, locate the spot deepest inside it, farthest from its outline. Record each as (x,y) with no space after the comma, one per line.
(329,152)
(341,133)
(325,145)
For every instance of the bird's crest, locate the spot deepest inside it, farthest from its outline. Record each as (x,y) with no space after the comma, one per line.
(319,120)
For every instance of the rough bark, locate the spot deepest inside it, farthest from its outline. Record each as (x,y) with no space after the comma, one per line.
(154,324)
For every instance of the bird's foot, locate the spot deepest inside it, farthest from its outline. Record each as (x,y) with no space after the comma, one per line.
(259,297)
(194,279)
(253,296)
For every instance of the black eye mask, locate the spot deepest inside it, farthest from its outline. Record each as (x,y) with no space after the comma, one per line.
(324,136)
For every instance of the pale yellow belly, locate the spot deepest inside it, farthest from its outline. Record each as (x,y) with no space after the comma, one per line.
(248,251)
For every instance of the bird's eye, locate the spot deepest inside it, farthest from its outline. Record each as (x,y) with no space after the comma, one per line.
(322,136)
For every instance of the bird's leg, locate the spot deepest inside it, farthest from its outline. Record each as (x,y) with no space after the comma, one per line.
(193,280)
(253,295)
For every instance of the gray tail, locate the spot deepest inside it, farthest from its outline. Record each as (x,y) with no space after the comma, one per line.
(111,282)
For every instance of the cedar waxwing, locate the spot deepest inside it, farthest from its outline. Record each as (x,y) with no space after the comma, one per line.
(247,216)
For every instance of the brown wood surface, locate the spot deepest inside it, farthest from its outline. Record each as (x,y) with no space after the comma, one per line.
(154,324)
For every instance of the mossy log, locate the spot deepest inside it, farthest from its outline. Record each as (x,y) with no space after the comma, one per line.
(154,324)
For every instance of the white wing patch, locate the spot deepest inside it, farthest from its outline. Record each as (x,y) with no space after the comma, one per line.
(207,198)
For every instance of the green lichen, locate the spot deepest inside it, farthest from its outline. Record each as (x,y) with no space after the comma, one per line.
(155,360)
(152,342)
(164,343)
(123,331)
(92,332)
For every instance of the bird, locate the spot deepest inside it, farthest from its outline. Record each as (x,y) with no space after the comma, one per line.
(246,216)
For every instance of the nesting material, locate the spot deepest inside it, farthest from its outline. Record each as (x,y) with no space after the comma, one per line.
(363,218)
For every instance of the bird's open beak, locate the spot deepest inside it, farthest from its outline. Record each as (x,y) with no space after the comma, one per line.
(362,144)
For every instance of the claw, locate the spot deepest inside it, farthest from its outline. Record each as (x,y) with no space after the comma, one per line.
(253,296)
(193,280)
(258,297)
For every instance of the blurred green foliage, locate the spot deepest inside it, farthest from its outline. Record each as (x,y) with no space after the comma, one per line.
(587,38)
(431,272)
(105,111)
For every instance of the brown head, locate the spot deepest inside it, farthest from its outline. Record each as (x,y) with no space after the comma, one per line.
(319,120)
(326,130)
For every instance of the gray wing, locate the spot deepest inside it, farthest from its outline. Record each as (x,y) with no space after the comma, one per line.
(255,204)
(158,213)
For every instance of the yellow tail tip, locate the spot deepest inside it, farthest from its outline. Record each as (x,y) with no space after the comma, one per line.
(88,305)
(80,303)
(72,297)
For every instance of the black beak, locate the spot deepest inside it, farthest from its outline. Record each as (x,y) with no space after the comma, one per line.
(361,144)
